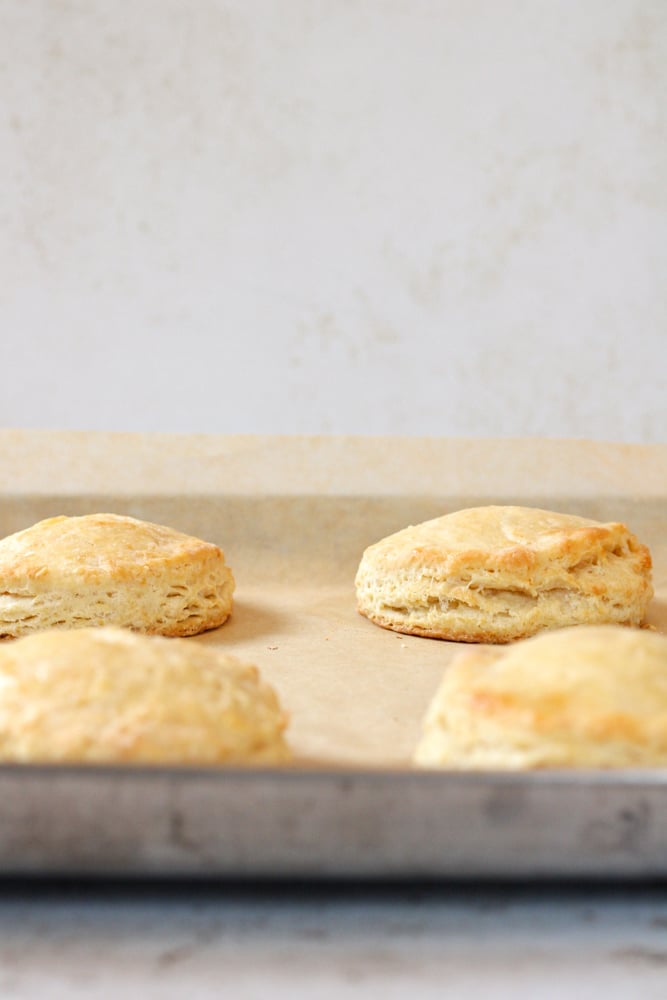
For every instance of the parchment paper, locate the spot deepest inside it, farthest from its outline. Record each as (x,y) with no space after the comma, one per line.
(294,514)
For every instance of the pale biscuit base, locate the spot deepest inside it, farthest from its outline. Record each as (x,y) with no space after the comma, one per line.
(106,569)
(495,574)
(591,696)
(105,695)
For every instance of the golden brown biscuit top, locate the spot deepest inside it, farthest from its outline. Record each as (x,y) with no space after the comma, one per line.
(598,683)
(95,545)
(109,694)
(502,536)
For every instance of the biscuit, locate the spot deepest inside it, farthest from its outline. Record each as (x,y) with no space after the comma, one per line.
(104,569)
(495,574)
(110,695)
(590,696)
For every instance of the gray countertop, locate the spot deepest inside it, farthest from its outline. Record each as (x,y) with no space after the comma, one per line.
(319,941)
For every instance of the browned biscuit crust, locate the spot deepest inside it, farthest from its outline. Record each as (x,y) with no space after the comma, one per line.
(591,696)
(499,573)
(106,569)
(96,695)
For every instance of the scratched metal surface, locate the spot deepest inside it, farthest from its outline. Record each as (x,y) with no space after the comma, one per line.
(370,824)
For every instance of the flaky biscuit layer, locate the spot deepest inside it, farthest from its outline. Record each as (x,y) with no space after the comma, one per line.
(499,573)
(106,569)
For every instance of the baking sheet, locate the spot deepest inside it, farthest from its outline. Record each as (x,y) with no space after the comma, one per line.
(293,516)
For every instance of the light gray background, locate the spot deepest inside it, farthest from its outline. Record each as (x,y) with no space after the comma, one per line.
(369,216)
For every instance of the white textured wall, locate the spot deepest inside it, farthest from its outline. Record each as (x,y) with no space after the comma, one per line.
(385,216)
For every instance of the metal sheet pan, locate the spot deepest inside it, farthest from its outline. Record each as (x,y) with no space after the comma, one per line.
(293,516)
(338,823)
